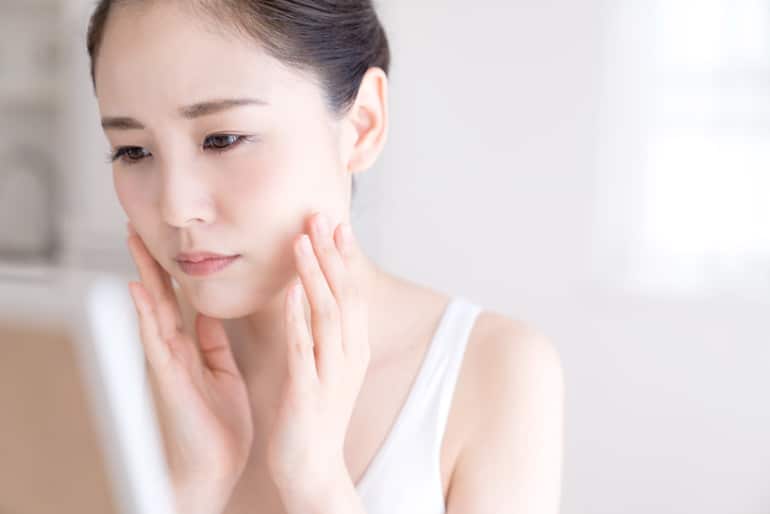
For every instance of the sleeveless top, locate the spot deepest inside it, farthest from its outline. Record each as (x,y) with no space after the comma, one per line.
(404,476)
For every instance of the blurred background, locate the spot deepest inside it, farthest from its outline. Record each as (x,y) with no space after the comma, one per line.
(598,168)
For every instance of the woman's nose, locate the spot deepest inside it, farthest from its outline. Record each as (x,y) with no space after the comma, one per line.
(185,199)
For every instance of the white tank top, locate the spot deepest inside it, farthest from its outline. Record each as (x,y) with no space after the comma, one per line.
(404,475)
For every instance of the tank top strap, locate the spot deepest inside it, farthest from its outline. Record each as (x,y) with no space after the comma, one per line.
(409,458)
(447,362)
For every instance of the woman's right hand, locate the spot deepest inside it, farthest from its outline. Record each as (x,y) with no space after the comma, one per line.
(204,405)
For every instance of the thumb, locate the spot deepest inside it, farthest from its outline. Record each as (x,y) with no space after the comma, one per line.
(214,345)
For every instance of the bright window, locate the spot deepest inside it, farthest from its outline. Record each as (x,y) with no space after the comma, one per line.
(690,83)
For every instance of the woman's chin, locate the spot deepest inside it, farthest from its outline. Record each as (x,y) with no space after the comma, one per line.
(221,300)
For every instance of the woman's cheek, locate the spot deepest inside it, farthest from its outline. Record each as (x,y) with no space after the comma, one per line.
(128,193)
(261,180)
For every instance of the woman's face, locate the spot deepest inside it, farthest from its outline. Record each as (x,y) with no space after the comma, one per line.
(239,179)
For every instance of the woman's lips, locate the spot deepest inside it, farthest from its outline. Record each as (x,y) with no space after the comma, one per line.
(206,266)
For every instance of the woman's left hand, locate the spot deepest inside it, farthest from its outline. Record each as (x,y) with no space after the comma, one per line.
(326,368)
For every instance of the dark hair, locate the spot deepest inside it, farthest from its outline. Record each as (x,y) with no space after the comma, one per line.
(337,41)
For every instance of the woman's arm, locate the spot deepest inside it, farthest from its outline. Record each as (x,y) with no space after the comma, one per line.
(512,460)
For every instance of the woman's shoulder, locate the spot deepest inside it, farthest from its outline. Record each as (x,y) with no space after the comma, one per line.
(503,347)
(497,334)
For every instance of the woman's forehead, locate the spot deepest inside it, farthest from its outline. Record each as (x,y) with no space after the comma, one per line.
(175,52)
(158,59)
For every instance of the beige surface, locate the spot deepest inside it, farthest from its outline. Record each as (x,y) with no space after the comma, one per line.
(50,458)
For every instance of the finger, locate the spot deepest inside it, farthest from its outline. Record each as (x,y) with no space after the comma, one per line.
(159,286)
(155,349)
(164,276)
(324,312)
(338,277)
(301,359)
(214,346)
(158,275)
(158,279)
(354,331)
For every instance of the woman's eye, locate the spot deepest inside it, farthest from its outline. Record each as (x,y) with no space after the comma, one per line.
(132,154)
(222,142)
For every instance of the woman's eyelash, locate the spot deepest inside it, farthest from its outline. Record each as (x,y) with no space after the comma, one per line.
(124,150)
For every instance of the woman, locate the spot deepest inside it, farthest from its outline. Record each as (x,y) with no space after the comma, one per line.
(235,130)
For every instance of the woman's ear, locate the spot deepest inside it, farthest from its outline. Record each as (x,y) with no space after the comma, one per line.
(366,123)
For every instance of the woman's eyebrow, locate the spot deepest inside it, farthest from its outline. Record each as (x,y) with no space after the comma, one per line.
(213,106)
(188,112)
